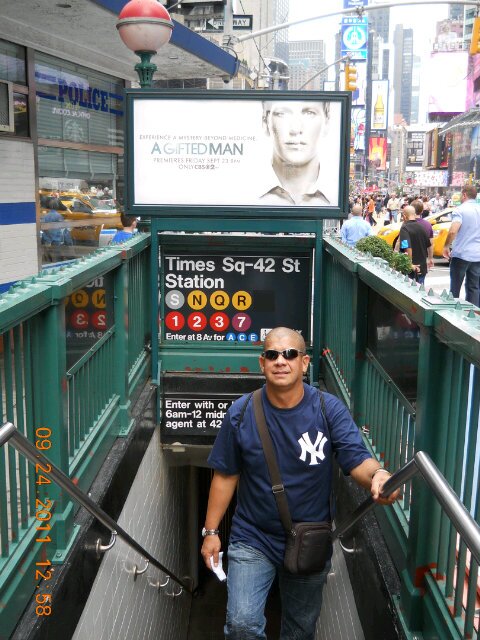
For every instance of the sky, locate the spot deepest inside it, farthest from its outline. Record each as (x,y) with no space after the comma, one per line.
(421,18)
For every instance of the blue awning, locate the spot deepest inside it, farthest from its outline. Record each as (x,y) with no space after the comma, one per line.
(189,41)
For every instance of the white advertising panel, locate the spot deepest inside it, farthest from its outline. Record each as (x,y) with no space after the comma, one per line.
(436,178)
(237,152)
(447,82)
(360,93)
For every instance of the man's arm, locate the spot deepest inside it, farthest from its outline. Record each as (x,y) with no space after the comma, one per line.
(221,493)
(430,254)
(365,475)
(454,227)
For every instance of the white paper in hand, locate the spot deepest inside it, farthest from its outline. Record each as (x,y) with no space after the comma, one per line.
(218,570)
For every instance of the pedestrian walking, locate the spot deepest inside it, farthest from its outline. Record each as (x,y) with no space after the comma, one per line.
(462,246)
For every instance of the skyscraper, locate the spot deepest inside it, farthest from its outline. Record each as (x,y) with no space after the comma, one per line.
(402,71)
(306,58)
(379,22)
(455,12)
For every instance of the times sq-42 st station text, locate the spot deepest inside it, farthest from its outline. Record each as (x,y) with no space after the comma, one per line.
(196,269)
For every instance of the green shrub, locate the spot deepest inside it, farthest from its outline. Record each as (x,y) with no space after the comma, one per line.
(379,248)
(401,262)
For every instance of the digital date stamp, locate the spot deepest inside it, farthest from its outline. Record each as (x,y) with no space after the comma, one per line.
(43,515)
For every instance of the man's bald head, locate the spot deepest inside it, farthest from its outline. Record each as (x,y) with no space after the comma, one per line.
(356,210)
(283,332)
(409,212)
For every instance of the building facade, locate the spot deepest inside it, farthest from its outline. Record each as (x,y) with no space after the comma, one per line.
(403,68)
(62,177)
(306,59)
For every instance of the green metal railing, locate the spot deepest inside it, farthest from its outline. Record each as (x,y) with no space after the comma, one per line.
(407,363)
(139,316)
(76,388)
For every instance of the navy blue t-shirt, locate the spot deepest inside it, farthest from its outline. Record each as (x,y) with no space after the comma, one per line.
(303,445)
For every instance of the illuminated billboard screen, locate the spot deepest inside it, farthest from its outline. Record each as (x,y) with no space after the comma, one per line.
(379,105)
(357,138)
(447,82)
(360,93)
(377,153)
(415,147)
(251,150)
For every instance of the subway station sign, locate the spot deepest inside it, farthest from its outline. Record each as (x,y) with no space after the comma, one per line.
(234,298)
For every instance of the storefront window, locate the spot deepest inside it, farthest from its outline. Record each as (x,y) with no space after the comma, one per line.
(20,114)
(79,210)
(12,63)
(77,105)
(79,187)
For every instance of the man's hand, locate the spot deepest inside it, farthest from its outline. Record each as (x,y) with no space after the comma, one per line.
(416,268)
(446,253)
(378,481)
(211,547)
(430,263)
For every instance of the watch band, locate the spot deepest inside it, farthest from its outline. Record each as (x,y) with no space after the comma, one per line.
(210,532)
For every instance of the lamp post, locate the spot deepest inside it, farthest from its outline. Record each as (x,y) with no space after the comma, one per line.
(144,26)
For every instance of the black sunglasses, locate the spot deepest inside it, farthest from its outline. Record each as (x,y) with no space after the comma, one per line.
(288,354)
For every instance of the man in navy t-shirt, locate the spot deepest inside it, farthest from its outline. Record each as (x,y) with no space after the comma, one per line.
(304,444)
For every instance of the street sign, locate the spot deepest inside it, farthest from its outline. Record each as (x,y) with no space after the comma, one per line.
(240,23)
(233,298)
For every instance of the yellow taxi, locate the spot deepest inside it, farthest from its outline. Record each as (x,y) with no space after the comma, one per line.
(88,216)
(440,222)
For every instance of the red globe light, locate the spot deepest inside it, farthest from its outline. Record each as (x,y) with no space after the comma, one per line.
(144,25)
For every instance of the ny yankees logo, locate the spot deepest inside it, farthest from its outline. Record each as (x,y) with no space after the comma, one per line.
(314,449)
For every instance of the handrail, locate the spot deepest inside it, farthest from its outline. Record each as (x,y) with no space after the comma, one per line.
(8,432)
(421,463)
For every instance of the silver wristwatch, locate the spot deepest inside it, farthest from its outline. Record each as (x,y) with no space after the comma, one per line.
(210,532)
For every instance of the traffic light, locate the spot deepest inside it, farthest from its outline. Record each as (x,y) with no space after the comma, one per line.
(475,41)
(350,77)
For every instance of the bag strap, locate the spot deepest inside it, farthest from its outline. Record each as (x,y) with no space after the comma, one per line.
(275,478)
(323,409)
(244,408)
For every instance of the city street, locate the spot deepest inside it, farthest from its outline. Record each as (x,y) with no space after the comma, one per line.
(439,277)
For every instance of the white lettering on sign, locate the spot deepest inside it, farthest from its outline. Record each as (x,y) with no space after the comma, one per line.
(195,416)
(229,265)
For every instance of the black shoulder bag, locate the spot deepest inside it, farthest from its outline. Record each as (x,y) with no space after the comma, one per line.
(308,544)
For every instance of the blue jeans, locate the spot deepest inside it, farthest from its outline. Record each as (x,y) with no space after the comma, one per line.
(460,269)
(250,576)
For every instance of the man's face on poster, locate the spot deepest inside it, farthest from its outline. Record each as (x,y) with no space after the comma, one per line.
(295,128)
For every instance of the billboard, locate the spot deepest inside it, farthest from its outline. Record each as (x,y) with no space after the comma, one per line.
(379,105)
(360,93)
(377,153)
(473,86)
(415,147)
(435,178)
(355,37)
(447,96)
(358,129)
(270,151)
